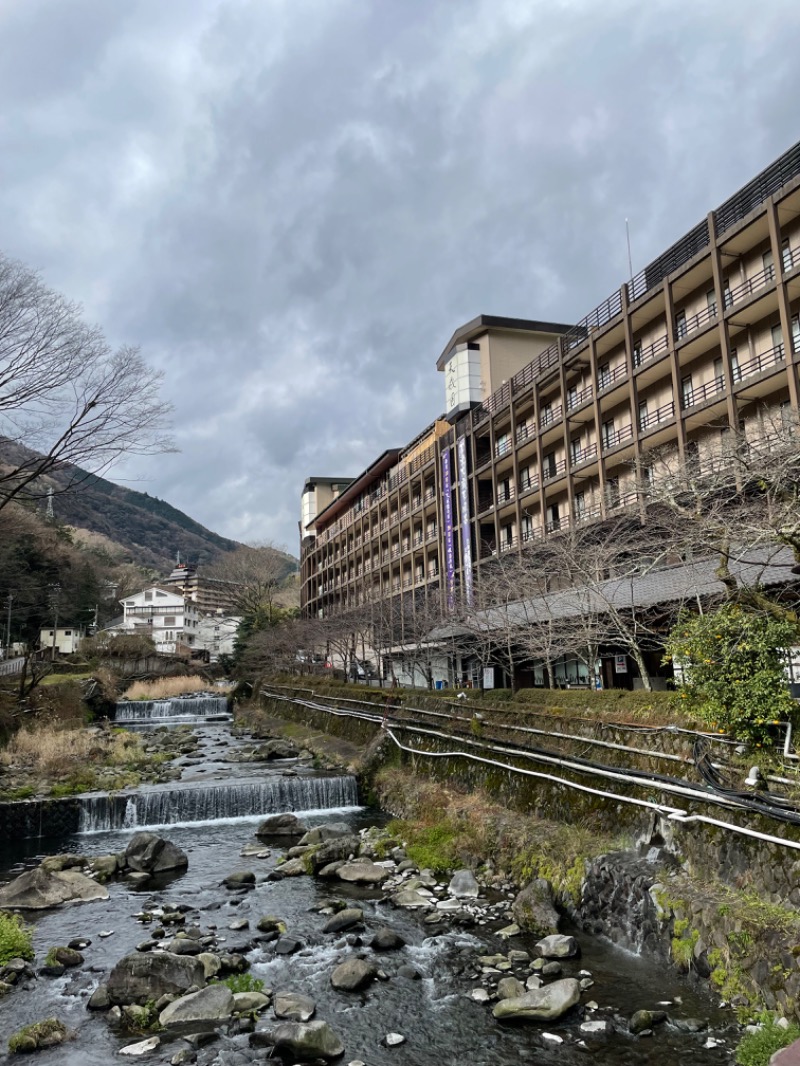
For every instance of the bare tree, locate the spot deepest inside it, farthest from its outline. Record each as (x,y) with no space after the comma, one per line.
(260,578)
(66,398)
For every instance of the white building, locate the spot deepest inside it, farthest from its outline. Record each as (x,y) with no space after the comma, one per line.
(66,639)
(162,614)
(216,633)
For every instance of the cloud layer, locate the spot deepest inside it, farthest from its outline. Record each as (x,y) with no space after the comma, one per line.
(291,204)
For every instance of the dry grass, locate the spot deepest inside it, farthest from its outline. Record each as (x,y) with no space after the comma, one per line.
(164,688)
(52,752)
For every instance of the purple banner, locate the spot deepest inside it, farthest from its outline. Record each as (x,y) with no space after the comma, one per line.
(463,501)
(449,546)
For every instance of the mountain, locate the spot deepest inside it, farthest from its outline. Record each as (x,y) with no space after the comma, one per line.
(150,531)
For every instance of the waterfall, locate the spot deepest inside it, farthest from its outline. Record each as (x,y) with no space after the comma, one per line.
(178,707)
(213,803)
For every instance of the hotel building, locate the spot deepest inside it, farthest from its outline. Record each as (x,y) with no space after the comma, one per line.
(548,425)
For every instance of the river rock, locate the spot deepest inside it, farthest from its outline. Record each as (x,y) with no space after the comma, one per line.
(542,1004)
(268,923)
(210,1005)
(277,749)
(99,999)
(362,873)
(293,1007)
(307,1040)
(332,851)
(352,975)
(321,834)
(410,899)
(40,1035)
(534,910)
(281,825)
(138,978)
(67,957)
(292,868)
(152,854)
(463,885)
(104,866)
(185,945)
(40,889)
(510,988)
(288,945)
(143,1047)
(557,946)
(240,879)
(344,919)
(250,1002)
(645,1019)
(332,869)
(387,940)
(211,963)
(393,1039)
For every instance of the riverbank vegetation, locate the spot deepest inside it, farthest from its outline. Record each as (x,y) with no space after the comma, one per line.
(165,687)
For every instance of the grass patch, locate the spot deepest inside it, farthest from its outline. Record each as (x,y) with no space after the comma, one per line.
(40,1034)
(62,679)
(243,982)
(756,1049)
(16,938)
(165,687)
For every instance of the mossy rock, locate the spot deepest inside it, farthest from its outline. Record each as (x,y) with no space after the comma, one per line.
(40,1035)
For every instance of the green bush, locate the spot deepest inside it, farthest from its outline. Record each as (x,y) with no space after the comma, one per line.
(756,1049)
(16,940)
(734,671)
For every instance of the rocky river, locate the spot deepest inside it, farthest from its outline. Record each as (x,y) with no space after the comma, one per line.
(377,962)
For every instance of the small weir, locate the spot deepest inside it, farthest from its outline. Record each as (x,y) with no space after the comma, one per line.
(215,803)
(179,707)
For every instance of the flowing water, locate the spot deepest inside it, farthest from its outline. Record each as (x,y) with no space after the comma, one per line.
(178,708)
(436,1014)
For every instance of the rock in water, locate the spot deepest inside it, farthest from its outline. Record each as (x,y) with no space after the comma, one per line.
(558,946)
(321,834)
(144,1047)
(344,919)
(510,988)
(463,885)
(307,1040)
(645,1019)
(138,978)
(293,1007)
(410,899)
(362,873)
(152,854)
(534,910)
(352,975)
(333,851)
(387,940)
(206,1007)
(542,1004)
(281,825)
(39,889)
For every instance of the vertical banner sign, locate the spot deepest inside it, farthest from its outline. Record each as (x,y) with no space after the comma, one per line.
(449,547)
(463,498)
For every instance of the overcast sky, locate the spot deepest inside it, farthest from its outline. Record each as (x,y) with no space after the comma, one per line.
(291,204)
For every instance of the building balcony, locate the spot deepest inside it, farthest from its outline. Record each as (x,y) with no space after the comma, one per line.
(607,378)
(749,286)
(528,484)
(505,495)
(650,352)
(612,438)
(550,415)
(684,326)
(553,470)
(768,360)
(578,456)
(700,393)
(577,399)
(650,419)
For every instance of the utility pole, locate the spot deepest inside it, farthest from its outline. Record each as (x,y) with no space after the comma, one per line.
(55,591)
(8,627)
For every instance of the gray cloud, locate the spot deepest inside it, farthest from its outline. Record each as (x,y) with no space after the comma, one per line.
(291,204)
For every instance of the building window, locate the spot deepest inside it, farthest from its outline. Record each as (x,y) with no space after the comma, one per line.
(736,373)
(711,303)
(580,505)
(607,434)
(687,392)
(681,328)
(575,450)
(553,517)
(727,299)
(796,333)
(169,620)
(546,414)
(637,353)
(719,379)
(777,341)
(549,464)
(786,256)
(527,528)
(768,265)
(612,491)
(603,376)
(643,414)
(572,396)
(148,597)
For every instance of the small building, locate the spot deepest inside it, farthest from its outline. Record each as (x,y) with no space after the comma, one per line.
(163,614)
(64,639)
(216,634)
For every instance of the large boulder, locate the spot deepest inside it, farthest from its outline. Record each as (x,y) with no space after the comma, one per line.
(277,749)
(281,825)
(207,1007)
(558,946)
(541,1004)
(534,910)
(463,885)
(293,1007)
(410,899)
(387,940)
(333,851)
(321,834)
(362,873)
(353,975)
(152,854)
(40,889)
(141,977)
(344,919)
(306,1041)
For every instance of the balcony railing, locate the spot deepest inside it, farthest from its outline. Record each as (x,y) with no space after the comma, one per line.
(525,431)
(550,415)
(507,543)
(502,447)
(429,495)
(534,533)
(433,572)
(528,484)
(554,469)
(504,495)
(685,326)
(701,393)
(612,437)
(648,420)
(583,455)
(749,286)
(431,535)
(587,514)
(606,378)
(759,363)
(576,399)
(652,351)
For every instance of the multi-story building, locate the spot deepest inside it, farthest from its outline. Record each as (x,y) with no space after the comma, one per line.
(163,614)
(546,426)
(210,594)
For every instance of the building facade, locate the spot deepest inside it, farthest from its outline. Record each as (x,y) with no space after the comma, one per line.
(547,426)
(210,594)
(164,615)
